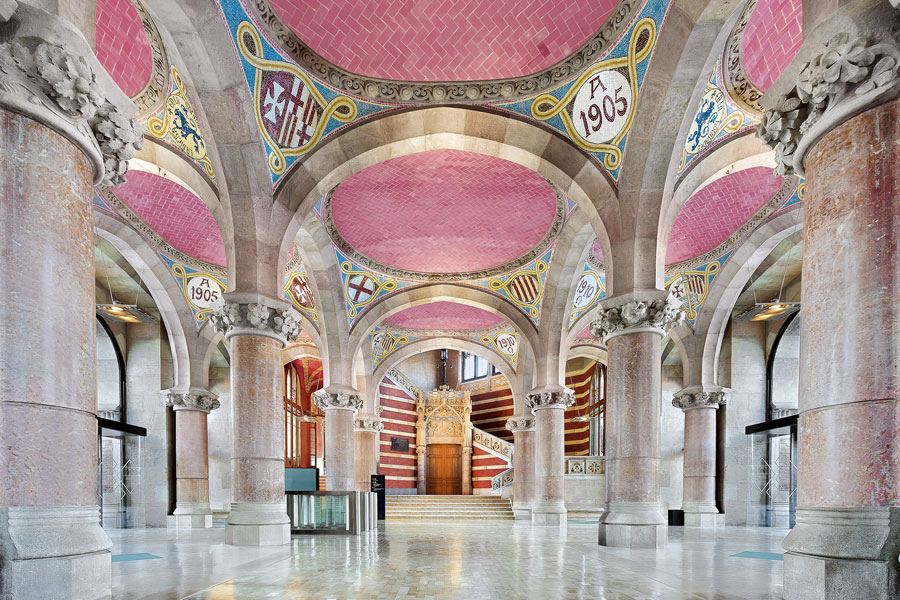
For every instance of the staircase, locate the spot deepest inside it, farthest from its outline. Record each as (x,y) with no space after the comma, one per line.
(447,508)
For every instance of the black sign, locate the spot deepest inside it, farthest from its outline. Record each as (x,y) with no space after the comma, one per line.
(399,444)
(377,485)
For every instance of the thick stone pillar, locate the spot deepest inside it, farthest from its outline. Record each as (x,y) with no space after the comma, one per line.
(339,404)
(523,429)
(367,434)
(56,106)
(699,494)
(548,506)
(257,328)
(191,458)
(632,327)
(847,138)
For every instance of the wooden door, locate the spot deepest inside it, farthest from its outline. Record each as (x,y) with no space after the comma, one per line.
(443,469)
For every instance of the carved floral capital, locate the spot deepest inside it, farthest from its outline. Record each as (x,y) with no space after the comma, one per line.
(848,77)
(517,424)
(55,82)
(550,399)
(695,398)
(373,424)
(248,318)
(202,400)
(345,400)
(662,314)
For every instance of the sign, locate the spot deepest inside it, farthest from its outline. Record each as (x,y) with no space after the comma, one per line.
(586,290)
(601,107)
(399,444)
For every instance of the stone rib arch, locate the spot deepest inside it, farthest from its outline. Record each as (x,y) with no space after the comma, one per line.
(448,293)
(592,352)
(422,129)
(726,287)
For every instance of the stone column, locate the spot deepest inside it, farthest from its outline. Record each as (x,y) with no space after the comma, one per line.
(467,470)
(191,457)
(339,404)
(847,536)
(523,428)
(58,112)
(632,327)
(258,328)
(549,406)
(699,495)
(367,434)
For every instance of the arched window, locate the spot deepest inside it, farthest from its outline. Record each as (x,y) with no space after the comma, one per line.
(110,375)
(783,370)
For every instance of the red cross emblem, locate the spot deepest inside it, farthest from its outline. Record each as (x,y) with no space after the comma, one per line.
(360,288)
(289,113)
(300,292)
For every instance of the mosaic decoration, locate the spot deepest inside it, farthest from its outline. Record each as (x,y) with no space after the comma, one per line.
(299,292)
(597,109)
(362,288)
(385,342)
(797,197)
(692,287)
(591,288)
(524,287)
(178,125)
(504,342)
(204,292)
(717,119)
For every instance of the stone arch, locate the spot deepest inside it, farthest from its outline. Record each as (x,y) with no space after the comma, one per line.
(594,353)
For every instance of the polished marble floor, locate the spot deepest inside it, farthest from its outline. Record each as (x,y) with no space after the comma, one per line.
(471,561)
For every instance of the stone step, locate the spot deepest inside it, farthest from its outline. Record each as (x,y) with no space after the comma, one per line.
(448,508)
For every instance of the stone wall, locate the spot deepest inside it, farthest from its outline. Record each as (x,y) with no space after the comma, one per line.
(219,434)
(671,443)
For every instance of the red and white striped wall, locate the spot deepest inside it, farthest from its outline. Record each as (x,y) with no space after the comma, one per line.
(398,413)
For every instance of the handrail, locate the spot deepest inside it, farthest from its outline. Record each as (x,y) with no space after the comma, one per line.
(404,382)
(585,465)
(491,443)
(502,479)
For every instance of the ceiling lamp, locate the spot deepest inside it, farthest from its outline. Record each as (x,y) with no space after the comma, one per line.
(768,311)
(127,313)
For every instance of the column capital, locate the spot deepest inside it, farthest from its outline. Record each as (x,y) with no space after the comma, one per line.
(845,76)
(657,312)
(368,423)
(194,399)
(337,398)
(253,314)
(520,423)
(50,74)
(555,398)
(696,397)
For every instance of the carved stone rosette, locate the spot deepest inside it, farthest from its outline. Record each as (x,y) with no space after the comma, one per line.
(341,400)
(201,400)
(372,424)
(549,399)
(850,76)
(516,424)
(695,398)
(662,315)
(253,318)
(48,73)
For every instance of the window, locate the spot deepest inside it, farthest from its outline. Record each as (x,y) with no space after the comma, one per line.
(475,367)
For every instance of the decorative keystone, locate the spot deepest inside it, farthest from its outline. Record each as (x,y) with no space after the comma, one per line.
(325,400)
(550,399)
(694,398)
(524,423)
(662,314)
(201,400)
(373,424)
(248,318)
(848,77)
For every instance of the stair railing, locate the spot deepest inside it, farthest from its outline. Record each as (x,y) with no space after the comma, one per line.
(501,480)
(492,444)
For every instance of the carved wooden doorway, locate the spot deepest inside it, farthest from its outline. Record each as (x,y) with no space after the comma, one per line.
(444,469)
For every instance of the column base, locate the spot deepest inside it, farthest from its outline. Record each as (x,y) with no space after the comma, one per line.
(190,515)
(702,514)
(549,513)
(53,552)
(257,524)
(837,553)
(633,525)
(522,512)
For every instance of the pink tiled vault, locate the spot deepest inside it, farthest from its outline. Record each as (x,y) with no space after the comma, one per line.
(122,46)
(444,315)
(717,210)
(444,40)
(598,250)
(176,214)
(772,38)
(444,211)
